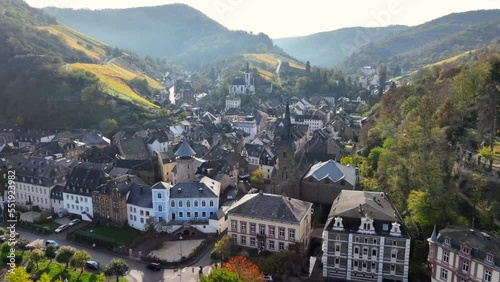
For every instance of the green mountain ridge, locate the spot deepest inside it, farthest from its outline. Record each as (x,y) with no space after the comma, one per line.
(176,32)
(329,48)
(429,42)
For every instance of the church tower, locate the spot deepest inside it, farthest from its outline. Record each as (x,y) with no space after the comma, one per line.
(286,181)
(247,77)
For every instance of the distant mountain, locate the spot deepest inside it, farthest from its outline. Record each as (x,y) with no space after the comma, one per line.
(430,42)
(52,76)
(176,32)
(329,48)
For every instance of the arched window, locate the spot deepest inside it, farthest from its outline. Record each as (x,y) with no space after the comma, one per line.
(211,203)
(159,195)
(203,203)
(188,204)
(196,203)
(160,208)
(180,204)
(172,204)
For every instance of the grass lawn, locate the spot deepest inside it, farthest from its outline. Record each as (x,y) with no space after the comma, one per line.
(56,271)
(120,235)
(52,225)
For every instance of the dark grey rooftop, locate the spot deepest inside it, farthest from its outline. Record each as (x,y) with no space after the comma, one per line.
(185,150)
(481,242)
(271,207)
(191,190)
(141,196)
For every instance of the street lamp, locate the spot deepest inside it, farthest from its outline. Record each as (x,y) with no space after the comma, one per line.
(180,239)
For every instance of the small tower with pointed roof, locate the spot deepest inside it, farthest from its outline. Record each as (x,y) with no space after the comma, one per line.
(431,257)
(185,168)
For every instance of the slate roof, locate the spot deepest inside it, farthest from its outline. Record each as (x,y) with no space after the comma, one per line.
(57,192)
(160,136)
(123,183)
(86,177)
(161,185)
(41,169)
(238,81)
(254,150)
(191,190)
(132,146)
(185,150)
(482,243)
(271,207)
(139,165)
(141,196)
(357,204)
(332,170)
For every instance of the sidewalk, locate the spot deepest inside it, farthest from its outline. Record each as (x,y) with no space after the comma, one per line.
(186,263)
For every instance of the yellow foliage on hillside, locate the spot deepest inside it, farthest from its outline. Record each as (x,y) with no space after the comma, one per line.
(115,79)
(78,41)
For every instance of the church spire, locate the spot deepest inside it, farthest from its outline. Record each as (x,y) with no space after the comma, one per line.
(287,126)
(248,68)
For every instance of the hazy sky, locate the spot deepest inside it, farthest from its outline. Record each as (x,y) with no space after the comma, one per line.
(283,18)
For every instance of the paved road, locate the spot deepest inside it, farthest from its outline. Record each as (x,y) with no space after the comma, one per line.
(137,272)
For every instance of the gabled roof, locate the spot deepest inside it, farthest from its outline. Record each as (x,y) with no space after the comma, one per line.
(161,185)
(333,171)
(141,196)
(271,207)
(192,190)
(481,242)
(185,150)
(357,204)
(121,184)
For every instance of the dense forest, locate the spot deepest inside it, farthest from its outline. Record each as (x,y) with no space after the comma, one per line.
(409,142)
(177,33)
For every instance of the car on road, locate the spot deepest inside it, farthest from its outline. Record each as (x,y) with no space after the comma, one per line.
(61,228)
(7,235)
(92,265)
(52,242)
(74,222)
(153,266)
(268,277)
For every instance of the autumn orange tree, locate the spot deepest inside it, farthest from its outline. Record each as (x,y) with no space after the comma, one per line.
(246,269)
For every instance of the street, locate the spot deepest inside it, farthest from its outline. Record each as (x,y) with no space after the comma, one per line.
(138,271)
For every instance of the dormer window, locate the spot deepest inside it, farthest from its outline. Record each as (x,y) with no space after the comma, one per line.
(337,225)
(366,226)
(447,241)
(466,250)
(396,229)
(489,258)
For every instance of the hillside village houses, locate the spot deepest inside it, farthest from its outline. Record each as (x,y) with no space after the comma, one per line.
(194,174)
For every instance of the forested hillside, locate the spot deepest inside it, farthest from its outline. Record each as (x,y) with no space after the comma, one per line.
(410,138)
(429,42)
(410,144)
(177,33)
(326,49)
(39,87)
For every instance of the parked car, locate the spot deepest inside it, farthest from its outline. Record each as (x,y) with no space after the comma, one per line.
(61,228)
(35,244)
(6,236)
(153,266)
(92,265)
(268,277)
(74,222)
(52,242)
